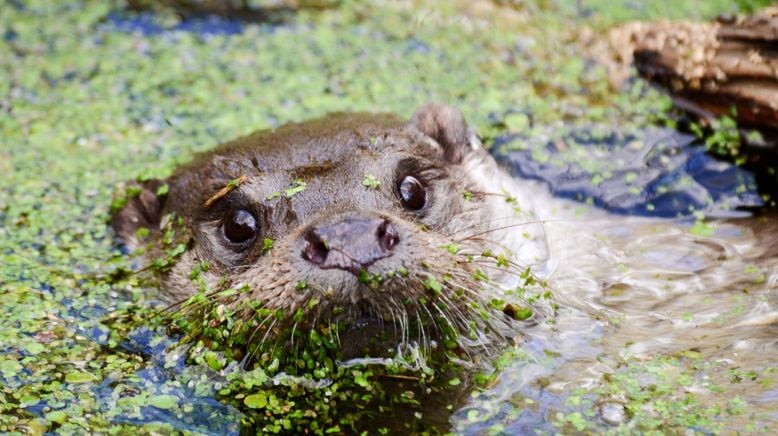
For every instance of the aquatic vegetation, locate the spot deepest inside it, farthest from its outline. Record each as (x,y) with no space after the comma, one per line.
(308,386)
(93,96)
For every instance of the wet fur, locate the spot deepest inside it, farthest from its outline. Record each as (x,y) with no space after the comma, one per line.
(333,155)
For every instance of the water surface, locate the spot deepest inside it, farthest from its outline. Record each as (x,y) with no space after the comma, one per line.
(667,325)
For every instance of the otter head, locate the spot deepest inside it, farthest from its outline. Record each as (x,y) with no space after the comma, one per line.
(356,224)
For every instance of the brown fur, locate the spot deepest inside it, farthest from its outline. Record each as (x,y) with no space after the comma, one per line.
(333,155)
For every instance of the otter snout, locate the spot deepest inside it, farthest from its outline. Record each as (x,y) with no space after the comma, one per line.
(351,243)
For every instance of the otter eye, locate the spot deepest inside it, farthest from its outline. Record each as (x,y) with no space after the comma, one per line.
(412,193)
(240,226)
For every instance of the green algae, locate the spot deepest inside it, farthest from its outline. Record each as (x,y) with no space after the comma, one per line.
(85,107)
(295,378)
(371,182)
(662,395)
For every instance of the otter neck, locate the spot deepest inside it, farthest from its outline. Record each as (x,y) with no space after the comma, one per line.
(516,213)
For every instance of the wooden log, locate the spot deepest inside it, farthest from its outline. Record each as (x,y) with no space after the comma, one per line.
(711,68)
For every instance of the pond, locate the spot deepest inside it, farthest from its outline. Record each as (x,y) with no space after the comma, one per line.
(667,303)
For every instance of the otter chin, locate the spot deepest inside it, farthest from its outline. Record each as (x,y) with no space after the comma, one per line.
(386,234)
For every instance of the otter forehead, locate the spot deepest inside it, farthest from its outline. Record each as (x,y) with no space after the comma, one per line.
(327,140)
(322,164)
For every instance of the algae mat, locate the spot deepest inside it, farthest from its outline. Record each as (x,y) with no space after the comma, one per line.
(89,98)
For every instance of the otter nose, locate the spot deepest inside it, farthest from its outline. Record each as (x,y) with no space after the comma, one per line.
(351,244)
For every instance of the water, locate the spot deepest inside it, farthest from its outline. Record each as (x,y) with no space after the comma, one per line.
(664,324)
(651,172)
(676,310)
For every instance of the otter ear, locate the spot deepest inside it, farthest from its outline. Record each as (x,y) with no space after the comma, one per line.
(140,207)
(448,127)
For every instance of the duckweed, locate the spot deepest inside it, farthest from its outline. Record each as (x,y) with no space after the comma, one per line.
(94,95)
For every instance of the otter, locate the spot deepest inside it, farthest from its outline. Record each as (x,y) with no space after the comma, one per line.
(404,238)
(393,227)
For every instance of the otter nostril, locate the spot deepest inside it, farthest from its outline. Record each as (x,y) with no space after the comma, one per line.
(387,235)
(350,243)
(316,249)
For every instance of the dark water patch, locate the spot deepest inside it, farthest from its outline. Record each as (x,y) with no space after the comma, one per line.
(242,11)
(10,36)
(155,346)
(202,413)
(657,172)
(201,25)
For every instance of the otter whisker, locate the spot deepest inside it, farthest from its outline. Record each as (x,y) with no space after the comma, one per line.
(491,193)
(208,298)
(544,222)
(432,318)
(485,222)
(333,337)
(461,275)
(315,287)
(522,274)
(514,270)
(456,310)
(511,265)
(254,332)
(422,335)
(496,229)
(337,333)
(375,313)
(497,244)
(457,328)
(406,327)
(450,324)
(395,320)
(489,263)
(258,327)
(269,329)
(294,327)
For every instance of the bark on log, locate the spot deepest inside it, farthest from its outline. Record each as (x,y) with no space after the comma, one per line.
(711,67)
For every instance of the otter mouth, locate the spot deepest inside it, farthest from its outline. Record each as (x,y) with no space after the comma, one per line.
(361,331)
(371,336)
(425,330)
